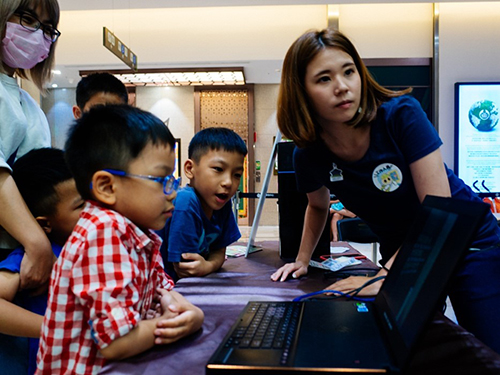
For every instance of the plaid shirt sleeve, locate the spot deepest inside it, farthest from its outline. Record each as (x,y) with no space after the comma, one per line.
(111,283)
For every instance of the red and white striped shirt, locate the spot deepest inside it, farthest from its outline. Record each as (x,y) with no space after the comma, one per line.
(101,286)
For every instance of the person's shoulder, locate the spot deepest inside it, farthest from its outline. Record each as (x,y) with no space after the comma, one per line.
(408,100)
(186,192)
(96,217)
(304,155)
(8,89)
(3,83)
(186,197)
(399,102)
(301,151)
(398,107)
(97,223)
(56,249)
(27,100)
(13,261)
(7,82)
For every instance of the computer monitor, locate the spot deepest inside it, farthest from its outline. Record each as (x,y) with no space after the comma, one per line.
(292,207)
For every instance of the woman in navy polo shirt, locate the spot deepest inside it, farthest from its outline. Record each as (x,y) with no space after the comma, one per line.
(378,153)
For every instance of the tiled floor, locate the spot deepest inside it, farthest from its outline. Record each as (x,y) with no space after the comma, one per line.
(270,233)
(264,233)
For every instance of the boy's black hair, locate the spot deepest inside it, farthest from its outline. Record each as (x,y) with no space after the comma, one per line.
(37,174)
(215,139)
(96,83)
(110,137)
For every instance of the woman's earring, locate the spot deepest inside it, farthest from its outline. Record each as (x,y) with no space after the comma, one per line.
(360,109)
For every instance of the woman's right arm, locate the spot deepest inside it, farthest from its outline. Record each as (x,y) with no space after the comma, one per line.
(314,223)
(18,221)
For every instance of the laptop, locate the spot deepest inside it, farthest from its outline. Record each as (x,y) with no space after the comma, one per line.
(317,336)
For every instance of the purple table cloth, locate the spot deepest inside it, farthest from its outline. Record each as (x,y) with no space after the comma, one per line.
(444,347)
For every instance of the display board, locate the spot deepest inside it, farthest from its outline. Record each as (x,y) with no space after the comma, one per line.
(178,163)
(477,136)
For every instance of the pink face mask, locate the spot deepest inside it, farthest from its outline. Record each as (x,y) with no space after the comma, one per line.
(22,48)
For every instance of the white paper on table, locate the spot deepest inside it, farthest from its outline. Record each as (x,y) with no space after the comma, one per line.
(335,264)
(235,251)
(338,249)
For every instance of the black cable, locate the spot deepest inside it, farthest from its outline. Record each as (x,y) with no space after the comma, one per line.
(369,282)
(346,272)
(340,294)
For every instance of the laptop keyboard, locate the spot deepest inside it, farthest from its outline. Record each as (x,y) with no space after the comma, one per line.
(267,325)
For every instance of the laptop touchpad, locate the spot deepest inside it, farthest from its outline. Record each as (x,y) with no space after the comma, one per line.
(338,334)
(261,357)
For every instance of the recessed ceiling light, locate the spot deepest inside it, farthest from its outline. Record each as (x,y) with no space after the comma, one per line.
(54,85)
(179,77)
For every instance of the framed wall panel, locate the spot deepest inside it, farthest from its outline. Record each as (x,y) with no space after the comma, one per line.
(477,136)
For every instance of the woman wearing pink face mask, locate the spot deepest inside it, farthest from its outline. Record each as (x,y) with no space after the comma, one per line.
(28,30)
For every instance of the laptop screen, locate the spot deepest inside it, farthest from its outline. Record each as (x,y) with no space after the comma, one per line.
(422,255)
(416,284)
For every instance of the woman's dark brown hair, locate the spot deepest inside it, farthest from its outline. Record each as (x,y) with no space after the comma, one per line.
(295,114)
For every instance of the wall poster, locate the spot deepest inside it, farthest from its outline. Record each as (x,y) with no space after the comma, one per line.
(477,136)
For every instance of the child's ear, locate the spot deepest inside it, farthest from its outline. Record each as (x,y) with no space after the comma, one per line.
(77,112)
(103,187)
(188,168)
(44,223)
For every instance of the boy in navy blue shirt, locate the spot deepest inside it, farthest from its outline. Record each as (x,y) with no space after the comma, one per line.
(98,89)
(203,223)
(49,190)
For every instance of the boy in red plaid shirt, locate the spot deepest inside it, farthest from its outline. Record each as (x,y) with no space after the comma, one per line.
(109,277)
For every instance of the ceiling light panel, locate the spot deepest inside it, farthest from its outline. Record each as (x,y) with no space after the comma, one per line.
(182,78)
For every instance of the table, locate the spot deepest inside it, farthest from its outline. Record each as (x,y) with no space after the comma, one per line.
(444,347)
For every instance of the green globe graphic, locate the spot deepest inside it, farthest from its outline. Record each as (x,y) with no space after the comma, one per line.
(483,115)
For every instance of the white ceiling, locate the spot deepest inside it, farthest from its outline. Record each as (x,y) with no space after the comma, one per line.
(253,34)
(145,4)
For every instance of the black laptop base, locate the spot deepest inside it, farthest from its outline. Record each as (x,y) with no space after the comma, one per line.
(360,337)
(315,354)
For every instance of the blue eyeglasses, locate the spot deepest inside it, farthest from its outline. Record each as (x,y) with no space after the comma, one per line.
(170,183)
